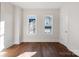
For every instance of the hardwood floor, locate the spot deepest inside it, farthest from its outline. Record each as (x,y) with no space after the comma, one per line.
(37,50)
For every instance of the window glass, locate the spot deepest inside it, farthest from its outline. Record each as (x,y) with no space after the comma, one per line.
(48,24)
(31,24)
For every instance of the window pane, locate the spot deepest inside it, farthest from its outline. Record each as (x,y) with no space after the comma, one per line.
(48,25)
(32,21)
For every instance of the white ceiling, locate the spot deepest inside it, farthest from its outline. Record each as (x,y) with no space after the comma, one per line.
(38,4)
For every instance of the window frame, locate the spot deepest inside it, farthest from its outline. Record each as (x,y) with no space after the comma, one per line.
(52,23)
(35,25)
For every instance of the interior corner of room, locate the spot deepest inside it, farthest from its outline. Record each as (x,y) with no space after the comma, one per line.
(26,22)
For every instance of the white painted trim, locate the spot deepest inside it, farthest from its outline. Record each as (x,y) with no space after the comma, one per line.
(75,51)
(35,24)
(40,40)
(52,23)
(17,42)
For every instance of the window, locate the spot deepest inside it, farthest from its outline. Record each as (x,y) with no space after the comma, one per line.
(48,24)
(31,24)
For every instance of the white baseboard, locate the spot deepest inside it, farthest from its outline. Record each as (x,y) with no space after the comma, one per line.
(17,43)
(75,51)
(40,40)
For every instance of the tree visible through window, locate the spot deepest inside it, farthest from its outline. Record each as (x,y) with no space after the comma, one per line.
(32,24)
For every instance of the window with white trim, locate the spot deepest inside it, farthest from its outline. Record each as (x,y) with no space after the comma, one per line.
(48,24)
(31,24)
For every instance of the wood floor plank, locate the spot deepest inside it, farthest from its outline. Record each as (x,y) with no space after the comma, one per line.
(37,49)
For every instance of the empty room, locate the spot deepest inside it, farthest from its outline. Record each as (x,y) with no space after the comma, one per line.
(39,29)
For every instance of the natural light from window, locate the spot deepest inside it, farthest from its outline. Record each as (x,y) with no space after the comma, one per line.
(27,54)
(2,23)
(31,24)
(48,24)
(2,54)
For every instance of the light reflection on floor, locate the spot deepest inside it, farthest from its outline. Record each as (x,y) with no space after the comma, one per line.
(27,54)
(2,53)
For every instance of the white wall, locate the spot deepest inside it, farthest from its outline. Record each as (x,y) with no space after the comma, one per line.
(7,15)
(12,17)
(17,25)
(64,24)
(40,35)
(70,10)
